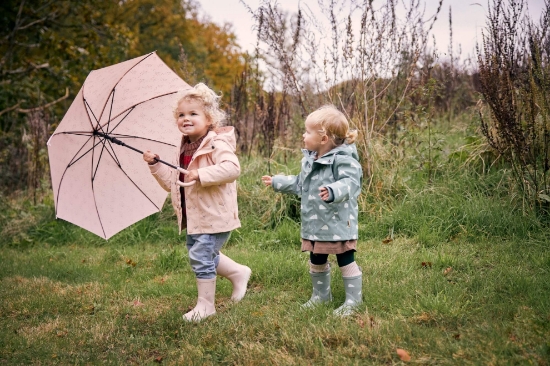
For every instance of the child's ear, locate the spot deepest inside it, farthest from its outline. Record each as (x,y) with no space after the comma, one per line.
(324,139)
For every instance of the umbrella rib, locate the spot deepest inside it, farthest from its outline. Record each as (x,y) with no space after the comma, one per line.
(111,109)
(119,80)
(80,134)
(131,136)
(123,118)
(109,148)
(92,183)
(77,133)
(134,106)
(115,158)
(127,71)
(57,200)
(97,211)
(90,109)
(141,138)
(134,183)
(101,141)
(72,162)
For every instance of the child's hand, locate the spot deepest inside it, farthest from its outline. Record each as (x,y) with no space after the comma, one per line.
(192,175)
(324,194)
(149,157)
(266,179)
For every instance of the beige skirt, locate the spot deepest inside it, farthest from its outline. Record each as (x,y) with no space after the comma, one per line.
(328,247)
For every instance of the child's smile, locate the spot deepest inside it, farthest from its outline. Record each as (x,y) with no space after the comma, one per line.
(192,120)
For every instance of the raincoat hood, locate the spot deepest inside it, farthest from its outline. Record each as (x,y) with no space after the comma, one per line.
(224,134)
(344,149)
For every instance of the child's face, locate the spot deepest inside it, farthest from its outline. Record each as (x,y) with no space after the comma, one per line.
(312,137)
(192,120)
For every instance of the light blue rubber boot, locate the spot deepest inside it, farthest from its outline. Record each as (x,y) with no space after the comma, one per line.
(321,289)
(354,295)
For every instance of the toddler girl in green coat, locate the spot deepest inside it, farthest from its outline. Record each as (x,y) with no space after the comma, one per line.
(328,185)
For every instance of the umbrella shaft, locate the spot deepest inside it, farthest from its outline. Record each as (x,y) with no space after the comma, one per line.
(114,140)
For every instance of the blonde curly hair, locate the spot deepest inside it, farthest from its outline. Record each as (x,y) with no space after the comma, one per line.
(333,123)
(209,100)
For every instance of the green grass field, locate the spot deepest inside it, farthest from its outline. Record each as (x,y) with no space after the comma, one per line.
(455,272)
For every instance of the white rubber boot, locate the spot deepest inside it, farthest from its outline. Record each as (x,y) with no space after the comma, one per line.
(205,301)
(236,273)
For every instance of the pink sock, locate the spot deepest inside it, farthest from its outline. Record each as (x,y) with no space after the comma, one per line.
(351,270)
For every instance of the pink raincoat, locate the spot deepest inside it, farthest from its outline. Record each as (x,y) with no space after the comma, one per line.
(211,204)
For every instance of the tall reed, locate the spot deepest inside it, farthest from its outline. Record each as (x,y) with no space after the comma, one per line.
(514,69)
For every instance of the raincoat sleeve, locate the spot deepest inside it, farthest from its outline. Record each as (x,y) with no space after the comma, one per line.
(226,168)
(287,184)
(348,174)
(162,174)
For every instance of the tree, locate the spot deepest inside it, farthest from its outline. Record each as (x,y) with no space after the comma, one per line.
(197,49)
(48,48)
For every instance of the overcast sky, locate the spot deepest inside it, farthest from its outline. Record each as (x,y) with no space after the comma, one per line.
(468,19)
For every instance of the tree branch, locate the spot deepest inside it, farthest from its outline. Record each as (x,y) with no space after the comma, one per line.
(9,109)
(31,110)
(30,68)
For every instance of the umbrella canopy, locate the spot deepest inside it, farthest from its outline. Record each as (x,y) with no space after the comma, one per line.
(99,185)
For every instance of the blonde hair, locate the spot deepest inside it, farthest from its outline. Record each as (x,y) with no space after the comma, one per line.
(334,124)
(210,102)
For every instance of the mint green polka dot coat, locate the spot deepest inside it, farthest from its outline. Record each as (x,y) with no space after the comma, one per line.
(340,171)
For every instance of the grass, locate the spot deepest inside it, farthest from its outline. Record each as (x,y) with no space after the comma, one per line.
(455,273)
(455,303)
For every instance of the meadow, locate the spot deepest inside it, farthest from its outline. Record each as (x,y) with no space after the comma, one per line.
(456,272)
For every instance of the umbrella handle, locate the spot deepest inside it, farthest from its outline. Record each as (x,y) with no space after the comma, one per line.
(182,184)
(186,184)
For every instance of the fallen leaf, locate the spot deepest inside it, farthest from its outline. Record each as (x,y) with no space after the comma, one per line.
(372,322)
(447,271)
(138,303)
(158,359)
(131,262)
(456,336)
(426,264)
(387,240)
(403,355)
(62,333)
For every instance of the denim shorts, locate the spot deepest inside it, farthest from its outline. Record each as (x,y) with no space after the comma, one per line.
(204,253)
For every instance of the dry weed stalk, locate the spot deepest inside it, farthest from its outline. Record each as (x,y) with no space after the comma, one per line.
(358,55)
(514,69)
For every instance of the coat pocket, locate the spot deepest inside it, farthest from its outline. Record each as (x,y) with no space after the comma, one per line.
(219,200)
(342,212)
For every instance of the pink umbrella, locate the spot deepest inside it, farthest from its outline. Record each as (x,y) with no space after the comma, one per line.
(99,182)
